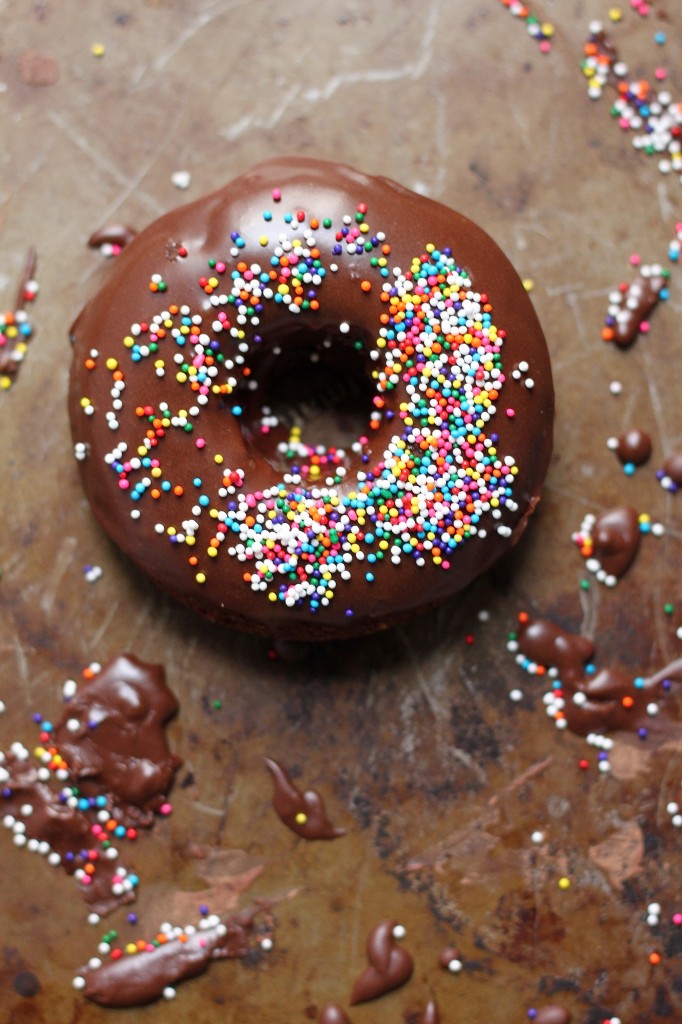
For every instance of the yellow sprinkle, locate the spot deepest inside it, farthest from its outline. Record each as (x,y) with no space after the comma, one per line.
(97,50)
(615,14)
(112,364)
(200,577)
(528,284)
(85,402)
(301,818)
(219,459)
(564,883)
(131,948)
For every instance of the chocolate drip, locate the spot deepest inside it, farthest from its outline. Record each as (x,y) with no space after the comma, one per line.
(304,813)
(138,979)
(113,738)
(390,966)
(604,700)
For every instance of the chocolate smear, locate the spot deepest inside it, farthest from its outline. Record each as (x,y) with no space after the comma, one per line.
(304,813)
(37,68)
(141,978)
(390,965)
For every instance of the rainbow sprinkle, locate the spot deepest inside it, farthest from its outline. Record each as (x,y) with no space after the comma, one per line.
(541,31)
(653,117)
(15,327)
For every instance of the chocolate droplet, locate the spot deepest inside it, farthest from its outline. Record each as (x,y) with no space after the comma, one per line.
(634,446)
(304,813)
(389,965)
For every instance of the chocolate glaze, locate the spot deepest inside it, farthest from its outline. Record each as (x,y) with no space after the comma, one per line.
(198,232)
(634,446)
(333,1014)
(119,744)
(304,813)
(141,978)
(608,699)
(390,965)
(611,541)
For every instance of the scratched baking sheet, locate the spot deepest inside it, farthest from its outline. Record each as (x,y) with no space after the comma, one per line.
(468,818)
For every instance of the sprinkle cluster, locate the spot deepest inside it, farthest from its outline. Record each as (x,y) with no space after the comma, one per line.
(541,31)
(437,372)
(652,115)
(16,329)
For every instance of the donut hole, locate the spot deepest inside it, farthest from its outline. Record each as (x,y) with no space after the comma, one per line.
(309,399)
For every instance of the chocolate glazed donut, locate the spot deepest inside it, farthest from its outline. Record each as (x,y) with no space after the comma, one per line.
(312,402)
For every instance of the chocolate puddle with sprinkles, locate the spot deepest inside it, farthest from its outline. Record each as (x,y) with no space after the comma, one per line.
(96,777)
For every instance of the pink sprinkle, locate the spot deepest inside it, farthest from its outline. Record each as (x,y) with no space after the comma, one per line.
(545,46)
(644,326)
(124,485)
(511,413)
(635,260)
(200,442)
(660,74)
(276,194)
(677,919)
(165,808)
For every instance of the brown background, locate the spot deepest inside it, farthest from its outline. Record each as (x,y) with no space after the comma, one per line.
(409,736)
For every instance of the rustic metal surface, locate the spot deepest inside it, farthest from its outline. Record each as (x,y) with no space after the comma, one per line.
(410,736)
